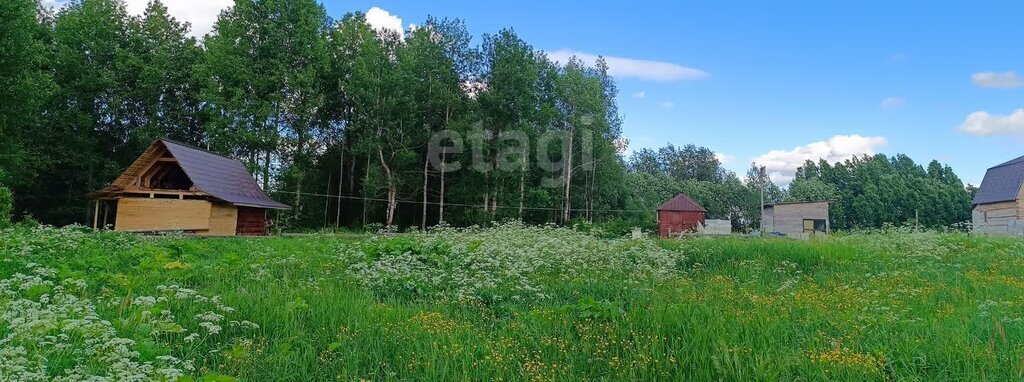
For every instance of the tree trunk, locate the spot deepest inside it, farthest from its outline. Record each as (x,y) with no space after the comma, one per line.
(341,181)
(444,154)
(567,210)
(426,161)
(298,184)
(593,180)
(487,191)
(298,206)
(522,187)
(591,169)
(392,204)
(365,200)
(266,171)
(352,176)
(494,201)
(392,192)
(327,200)
(440,208)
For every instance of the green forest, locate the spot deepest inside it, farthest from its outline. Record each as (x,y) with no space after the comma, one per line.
(336,119)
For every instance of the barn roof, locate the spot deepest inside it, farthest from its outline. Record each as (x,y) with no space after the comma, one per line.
(219,176)
(1001,183)
(681,203)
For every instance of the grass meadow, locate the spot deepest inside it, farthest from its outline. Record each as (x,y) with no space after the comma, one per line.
(509,303)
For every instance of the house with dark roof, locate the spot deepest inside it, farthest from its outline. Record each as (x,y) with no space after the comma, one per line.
(678,215)
(999,203)
(177,187)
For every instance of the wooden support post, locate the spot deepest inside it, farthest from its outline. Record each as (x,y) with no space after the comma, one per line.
(96,214)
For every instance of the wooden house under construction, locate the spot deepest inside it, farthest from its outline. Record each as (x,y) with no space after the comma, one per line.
(999,203)
(177,187)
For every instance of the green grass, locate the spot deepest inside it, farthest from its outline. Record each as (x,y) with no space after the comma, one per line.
(522,303)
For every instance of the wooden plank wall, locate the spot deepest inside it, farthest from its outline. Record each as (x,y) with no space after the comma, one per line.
(223,220)
(251,221)
(1002,218)
(144,214)
(671,223)
(789,218)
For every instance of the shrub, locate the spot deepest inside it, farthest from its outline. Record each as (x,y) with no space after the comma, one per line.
(6,206)
(509,262)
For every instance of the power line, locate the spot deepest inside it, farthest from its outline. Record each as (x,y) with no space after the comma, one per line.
(420,202)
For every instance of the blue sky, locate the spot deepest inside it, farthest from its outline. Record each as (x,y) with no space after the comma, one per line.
(779,83)
(786,76)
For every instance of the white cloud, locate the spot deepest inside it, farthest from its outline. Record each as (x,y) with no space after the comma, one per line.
(1004,80)
(639,94)
(645,70)
(982,124)
(782,164)
(893,102)
(202,14)
(474,88)
(667,104)
(380,19)
(724,158)
(54,4)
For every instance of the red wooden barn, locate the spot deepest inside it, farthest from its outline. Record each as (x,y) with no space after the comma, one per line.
(679,214)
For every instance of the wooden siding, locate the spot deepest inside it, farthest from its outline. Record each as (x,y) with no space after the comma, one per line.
(671,223)
(251,222)
(144,214)
(223,220)
(789,218)
(1002,218)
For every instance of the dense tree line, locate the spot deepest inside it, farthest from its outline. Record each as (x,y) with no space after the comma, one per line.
(870,191)
(314,106)
(343,122)
(657,175)
(865,192)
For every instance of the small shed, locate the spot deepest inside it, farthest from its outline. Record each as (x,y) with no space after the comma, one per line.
(177,187)
(799,219)
(679,214)
(999,203)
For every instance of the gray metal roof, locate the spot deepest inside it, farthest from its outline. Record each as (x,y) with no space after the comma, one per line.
(220,176)
(1002,183)
(791,203)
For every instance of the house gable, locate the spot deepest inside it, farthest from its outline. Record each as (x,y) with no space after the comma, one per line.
(999,202)
(1002,183)
(169,167)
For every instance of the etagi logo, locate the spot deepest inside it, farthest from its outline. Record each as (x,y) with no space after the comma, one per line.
(509,151)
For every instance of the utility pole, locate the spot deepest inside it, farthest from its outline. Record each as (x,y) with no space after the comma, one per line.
(761,177)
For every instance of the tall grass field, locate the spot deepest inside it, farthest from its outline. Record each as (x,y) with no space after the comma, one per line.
(509,303)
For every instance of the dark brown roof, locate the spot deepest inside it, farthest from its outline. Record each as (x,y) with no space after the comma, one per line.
(1001,183)
(681,203)
(221,177)
(224,178)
